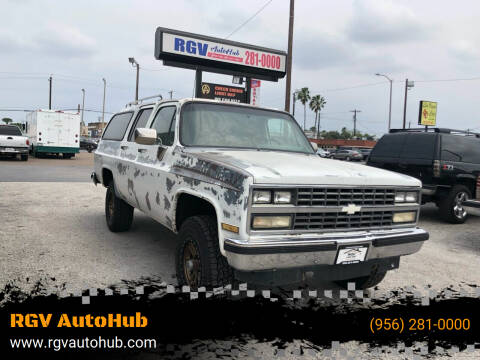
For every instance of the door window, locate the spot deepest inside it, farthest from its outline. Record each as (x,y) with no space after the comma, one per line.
(140,122)
(164,123)
(117,126)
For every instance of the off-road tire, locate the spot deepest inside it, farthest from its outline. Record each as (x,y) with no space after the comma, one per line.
(212,268)
(24,157)
(364,282)
(118,213)
(447,206)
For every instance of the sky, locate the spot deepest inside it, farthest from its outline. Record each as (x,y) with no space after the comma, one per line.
(338,47)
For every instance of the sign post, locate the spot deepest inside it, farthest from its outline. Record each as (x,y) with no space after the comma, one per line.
(427,114)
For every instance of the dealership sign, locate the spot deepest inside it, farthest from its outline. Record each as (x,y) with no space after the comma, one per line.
(178,48)
(223,92)
(427,115)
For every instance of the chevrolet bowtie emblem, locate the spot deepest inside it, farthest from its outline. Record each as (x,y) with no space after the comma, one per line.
(351,209)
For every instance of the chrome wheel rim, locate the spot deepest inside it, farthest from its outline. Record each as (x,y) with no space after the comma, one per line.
(458,209)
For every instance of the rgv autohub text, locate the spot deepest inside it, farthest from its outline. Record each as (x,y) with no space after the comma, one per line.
(78,321)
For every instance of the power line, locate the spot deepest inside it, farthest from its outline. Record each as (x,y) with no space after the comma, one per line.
(248,20)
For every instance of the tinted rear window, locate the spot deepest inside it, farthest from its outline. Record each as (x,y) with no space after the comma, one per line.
(389,146)
(461,148)
(419,146)
(117,126)
(405,146)
(10,130)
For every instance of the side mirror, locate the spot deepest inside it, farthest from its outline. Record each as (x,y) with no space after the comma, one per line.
(145,136)
(314,145)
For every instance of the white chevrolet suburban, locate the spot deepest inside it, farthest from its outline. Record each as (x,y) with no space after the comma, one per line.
(250,199)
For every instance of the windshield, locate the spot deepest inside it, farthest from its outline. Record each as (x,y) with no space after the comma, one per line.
(216,125)
(10,130)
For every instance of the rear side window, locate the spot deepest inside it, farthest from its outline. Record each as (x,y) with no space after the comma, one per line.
(117,126)
(10,130)
(140,122)
(389,145)
(461,148)
(419,146)
(164,123)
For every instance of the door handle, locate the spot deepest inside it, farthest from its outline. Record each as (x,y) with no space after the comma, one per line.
(142,150)
(124,147)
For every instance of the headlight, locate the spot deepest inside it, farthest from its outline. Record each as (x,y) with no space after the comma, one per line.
(400,197)
(406,196)
(262,197)
(271,222)
(411,196)
(404,217)
(282,197)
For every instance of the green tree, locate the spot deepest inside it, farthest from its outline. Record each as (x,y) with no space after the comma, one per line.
(304,95)
(316,105)
(7,120)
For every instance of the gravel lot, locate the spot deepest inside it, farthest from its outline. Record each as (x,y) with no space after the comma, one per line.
(53,229)
(58,230)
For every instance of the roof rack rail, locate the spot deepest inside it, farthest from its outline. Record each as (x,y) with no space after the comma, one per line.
(437,130)
(139,101)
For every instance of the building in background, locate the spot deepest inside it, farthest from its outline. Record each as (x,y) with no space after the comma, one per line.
(95,129)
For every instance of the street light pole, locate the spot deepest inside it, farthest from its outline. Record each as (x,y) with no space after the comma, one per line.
(83,105)
(103,107)
(408,85)
(137,65)
(390,106)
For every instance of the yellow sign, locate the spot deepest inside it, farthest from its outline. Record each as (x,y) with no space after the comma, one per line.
(428,113)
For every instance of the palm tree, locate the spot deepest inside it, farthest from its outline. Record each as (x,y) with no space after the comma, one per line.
(316,105)
(7,120)
(304,95)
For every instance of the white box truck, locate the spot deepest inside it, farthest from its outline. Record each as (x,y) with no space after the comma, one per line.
(54,132)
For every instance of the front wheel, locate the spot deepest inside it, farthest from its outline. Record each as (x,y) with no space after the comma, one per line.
(198,259)
(451,207)
(118,213)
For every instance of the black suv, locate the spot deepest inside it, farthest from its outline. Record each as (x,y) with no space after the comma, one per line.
(446,161)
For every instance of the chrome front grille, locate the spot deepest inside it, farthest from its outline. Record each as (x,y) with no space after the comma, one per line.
(345,196)
(341,220)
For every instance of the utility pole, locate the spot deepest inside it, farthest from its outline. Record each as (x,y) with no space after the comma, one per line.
(355,121)
(288,83)
(83,105)
(171,94)
(50,93)
(103,107)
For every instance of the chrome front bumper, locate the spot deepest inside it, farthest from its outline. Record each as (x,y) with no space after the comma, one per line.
(472,207)
(306,250)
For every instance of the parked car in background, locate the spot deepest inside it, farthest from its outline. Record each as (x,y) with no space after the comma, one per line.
(323,153)
(347,155)
(446,161)
(365,152)
(88,144)
(13,142)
